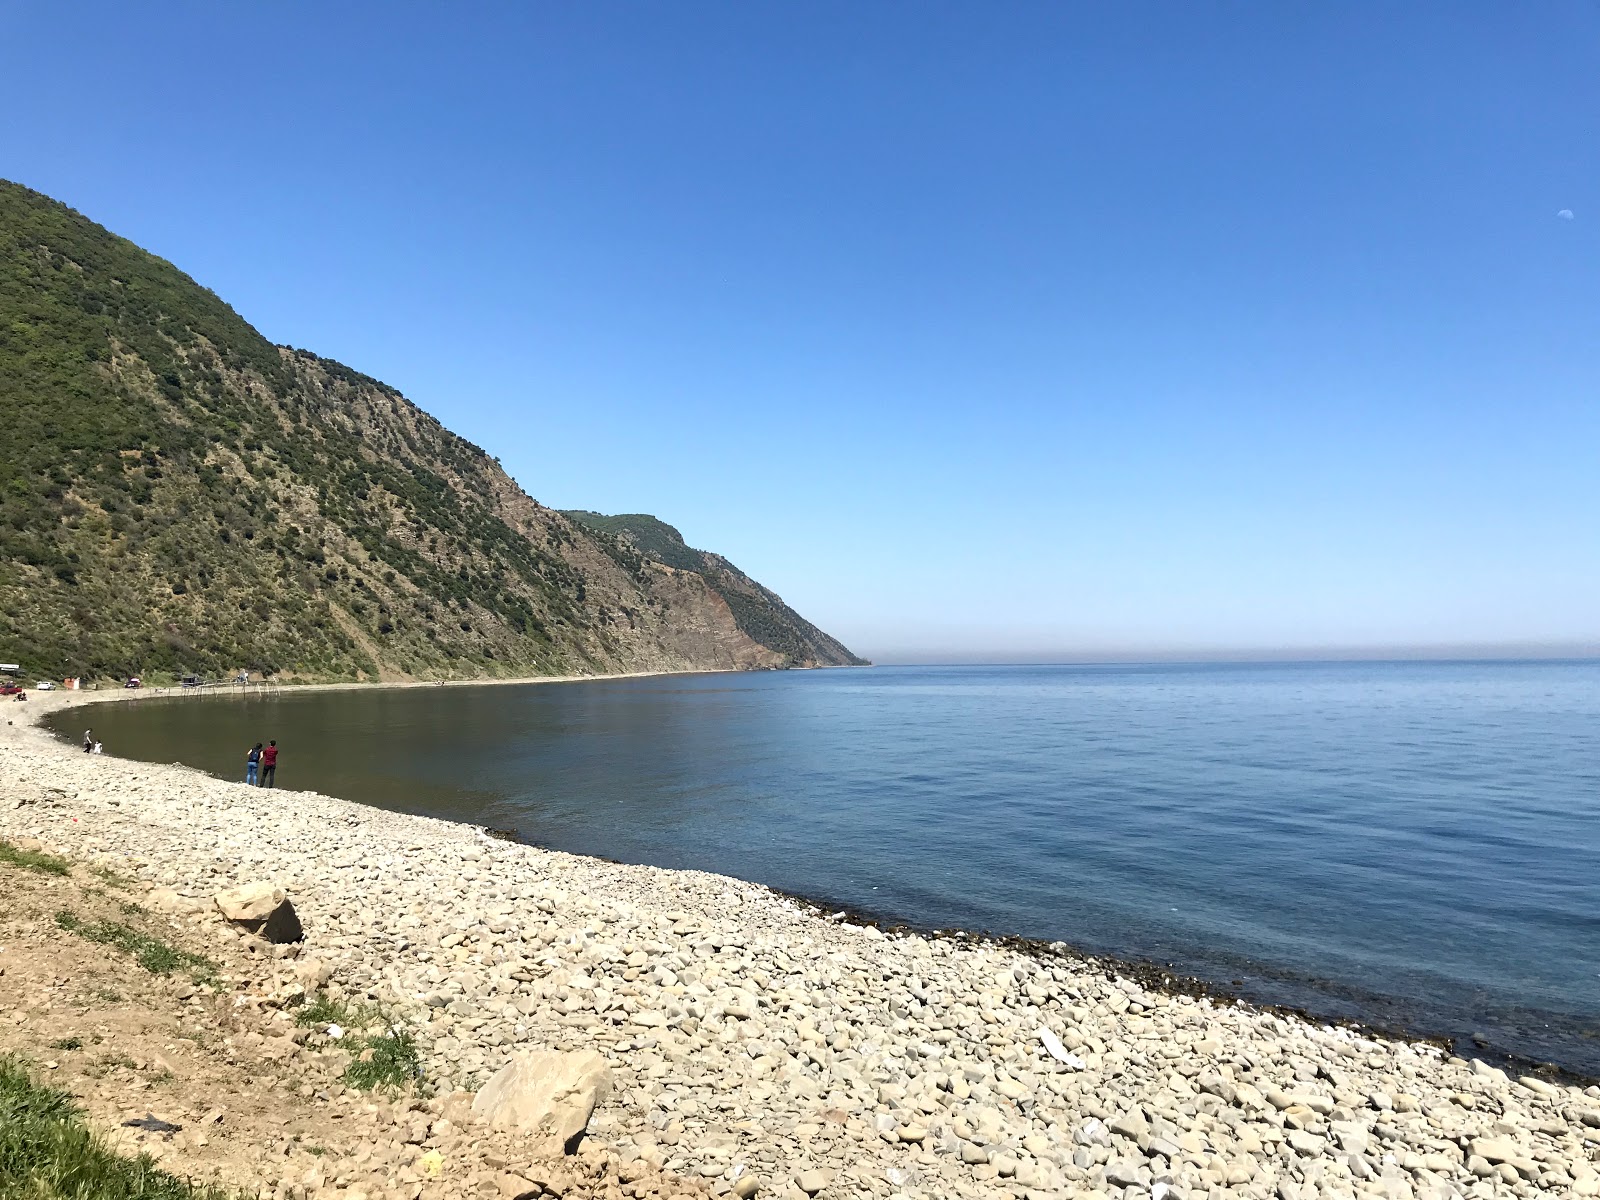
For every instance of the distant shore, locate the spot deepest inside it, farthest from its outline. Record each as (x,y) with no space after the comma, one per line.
(53,697)
(750,1035)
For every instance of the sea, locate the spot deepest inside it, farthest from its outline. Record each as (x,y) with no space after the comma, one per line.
(1411,845)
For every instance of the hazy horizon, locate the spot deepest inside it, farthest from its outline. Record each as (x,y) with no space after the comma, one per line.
(959,328)
(1522,652)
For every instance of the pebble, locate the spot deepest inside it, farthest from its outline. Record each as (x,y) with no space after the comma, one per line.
(751,1038)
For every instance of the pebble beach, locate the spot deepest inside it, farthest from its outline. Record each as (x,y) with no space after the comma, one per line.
(769,1049)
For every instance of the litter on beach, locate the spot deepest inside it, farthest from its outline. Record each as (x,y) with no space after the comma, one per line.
(1057,1051)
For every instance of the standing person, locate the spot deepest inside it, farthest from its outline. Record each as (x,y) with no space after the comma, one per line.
(269,764)
(88,740)
(251,762)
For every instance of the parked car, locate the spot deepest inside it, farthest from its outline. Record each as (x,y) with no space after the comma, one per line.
(193,681)
(10,689)
(134,681)
(44,685)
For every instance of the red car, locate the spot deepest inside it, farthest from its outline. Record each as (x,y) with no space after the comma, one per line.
(10,689)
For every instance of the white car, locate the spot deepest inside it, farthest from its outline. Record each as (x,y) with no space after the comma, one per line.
(44,685)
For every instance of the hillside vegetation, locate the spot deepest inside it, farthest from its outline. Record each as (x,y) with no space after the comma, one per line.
(179,494)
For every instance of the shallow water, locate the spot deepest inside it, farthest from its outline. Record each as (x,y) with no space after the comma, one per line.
(1412,844)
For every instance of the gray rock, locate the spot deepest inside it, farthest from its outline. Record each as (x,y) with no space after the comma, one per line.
(1123,1174)
(1352,1138)
(1307,1144)
(1092,1132)
(813,1181)
(1130,1125)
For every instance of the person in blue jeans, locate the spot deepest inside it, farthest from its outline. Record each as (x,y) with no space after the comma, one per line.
(252,763)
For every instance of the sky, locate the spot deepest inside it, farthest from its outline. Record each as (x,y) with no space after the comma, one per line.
(975,330)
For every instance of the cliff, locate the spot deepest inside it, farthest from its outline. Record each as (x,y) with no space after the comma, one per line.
(179,494)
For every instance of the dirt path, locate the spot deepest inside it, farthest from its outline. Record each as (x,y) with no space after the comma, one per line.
(210,1055)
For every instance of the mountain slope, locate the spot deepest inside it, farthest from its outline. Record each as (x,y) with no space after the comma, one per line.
(758,611)
(179,494)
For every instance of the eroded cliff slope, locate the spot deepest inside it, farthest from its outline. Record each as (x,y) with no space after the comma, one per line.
(179,494)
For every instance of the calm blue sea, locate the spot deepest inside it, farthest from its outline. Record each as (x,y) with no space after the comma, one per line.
(1407,843)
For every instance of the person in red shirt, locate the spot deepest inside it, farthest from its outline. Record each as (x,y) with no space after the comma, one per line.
(269,764)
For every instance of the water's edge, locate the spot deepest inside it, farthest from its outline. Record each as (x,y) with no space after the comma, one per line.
(1165,977)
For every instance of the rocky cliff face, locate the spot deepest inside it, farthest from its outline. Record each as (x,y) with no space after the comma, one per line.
(178,494)
(758,612)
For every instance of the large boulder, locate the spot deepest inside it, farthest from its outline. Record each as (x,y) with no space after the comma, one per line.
(263,909)
(545,1093)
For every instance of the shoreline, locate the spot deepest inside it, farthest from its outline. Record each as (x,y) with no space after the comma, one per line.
(1153,974)
(56,699)
(902,1064)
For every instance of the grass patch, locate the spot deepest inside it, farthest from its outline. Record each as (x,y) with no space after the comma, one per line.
(111,877)
(32,860)
(323,1010)
(385,1062)
(67,1043)
(383,1056)
(47,1152)
(151,953)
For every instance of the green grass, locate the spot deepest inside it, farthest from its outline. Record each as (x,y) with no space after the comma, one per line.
(32,860)
(151,953)
(47,1152)
(325,1011)
(67,1043)
(394,1060)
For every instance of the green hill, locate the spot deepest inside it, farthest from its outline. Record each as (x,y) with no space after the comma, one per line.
(178,494)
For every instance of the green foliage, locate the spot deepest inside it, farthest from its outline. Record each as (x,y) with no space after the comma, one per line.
(47,1152)
(383,1055)
(32,860)
(158,456)
(154,955)
(324,1010)
(178,495)
(385,1062)
(652,536)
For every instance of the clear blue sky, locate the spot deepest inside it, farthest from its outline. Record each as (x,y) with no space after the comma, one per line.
(978,329)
